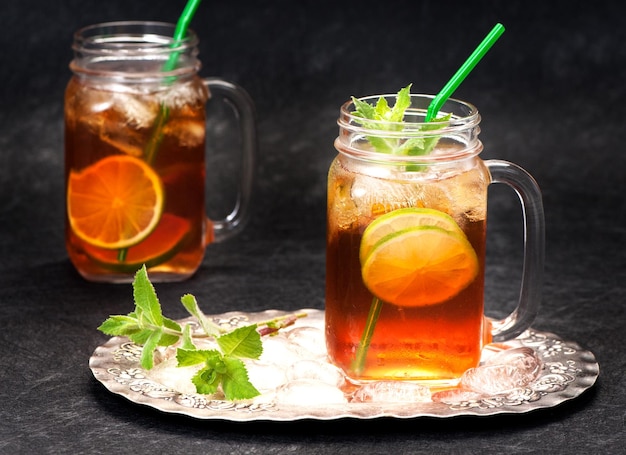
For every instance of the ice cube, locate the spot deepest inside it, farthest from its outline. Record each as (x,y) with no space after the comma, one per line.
(494,379)
(465,193)
(279,350)
(264,376)
(372,194)
(309,393)
(182,95)
(136,112)
(392,392)
(169,374)
(125,140)
(524,359)
(188,133)
(318,371)
(455,396)
(310,339)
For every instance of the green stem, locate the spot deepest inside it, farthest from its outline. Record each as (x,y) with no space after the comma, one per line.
(152,146)
(154,141)
(121,255)
(281,318)
(370,324)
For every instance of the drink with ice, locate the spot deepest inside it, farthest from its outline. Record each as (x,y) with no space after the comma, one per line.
(410,341)
(135,153)
(101,124)
(406,234)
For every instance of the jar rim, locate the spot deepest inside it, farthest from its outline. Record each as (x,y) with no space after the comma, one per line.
(131,37)
(463,115)
(99,48)
(356,134)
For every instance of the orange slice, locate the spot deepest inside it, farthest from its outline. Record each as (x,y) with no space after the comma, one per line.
(115,203)
(401,219)
(420,266)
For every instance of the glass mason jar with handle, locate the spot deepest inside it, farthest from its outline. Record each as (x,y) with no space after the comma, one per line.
(406,234)
(135,153)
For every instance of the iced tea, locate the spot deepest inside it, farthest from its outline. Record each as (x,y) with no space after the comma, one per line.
(406,233)
(104,123)
(423,342)
(135,130)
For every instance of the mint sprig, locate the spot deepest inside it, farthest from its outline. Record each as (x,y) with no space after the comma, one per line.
(382,117)
(223,367)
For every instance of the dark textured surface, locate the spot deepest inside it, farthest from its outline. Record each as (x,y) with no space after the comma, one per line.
(551,94)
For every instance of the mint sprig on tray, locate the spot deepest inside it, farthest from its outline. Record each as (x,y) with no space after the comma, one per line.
(222,368)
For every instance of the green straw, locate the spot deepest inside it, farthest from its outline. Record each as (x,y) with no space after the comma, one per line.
(179,34)
(358,364)
(181,31)
(463,71)
(157,132)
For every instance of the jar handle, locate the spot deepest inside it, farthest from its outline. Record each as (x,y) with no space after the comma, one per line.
(218,230)
(534,248)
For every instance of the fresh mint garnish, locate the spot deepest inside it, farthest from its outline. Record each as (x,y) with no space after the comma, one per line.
(223,368)
(382,117)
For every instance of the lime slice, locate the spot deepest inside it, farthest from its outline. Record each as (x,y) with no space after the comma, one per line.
(420,266)
(400,220)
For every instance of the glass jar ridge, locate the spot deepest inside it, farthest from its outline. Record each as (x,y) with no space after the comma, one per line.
(457,135)
(134,50)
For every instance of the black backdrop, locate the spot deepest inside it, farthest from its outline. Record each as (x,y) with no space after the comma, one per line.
(551,96)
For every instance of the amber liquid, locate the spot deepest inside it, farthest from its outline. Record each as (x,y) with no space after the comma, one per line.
(100,123)
(435,343)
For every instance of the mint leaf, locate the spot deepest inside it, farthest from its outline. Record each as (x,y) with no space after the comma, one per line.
(188,357)
(412,147)
(148,307)
(168,339)
(383,145)
(223,370)
(364,109)
(235,382)
(431,141)
(120,326)
(141,337)
(244,342)
(191,305)
(391,119)
(188,338)
(382,110)
(206,381)
(147,353)
(403,102)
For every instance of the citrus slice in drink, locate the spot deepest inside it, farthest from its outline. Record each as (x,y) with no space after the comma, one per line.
(401,219)
(114,203)
(161,245)
(420,266)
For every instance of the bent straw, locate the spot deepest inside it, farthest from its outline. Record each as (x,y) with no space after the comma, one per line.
(463,71)
(181,30)
(155,137)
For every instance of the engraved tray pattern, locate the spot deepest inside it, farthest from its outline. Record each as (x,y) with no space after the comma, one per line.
(568,370)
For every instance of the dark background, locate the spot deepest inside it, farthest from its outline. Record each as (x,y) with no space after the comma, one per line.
(551,93)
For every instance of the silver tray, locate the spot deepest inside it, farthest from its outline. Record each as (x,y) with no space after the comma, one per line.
(568,370)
